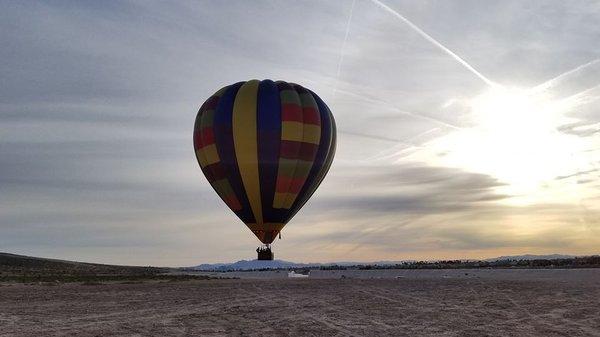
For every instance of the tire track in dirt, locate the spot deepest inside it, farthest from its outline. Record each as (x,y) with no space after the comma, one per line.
(298,304)
(305,307)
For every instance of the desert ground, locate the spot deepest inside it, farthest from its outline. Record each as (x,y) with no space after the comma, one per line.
(434,303)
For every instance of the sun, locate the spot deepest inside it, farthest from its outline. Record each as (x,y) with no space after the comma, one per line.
(514,137)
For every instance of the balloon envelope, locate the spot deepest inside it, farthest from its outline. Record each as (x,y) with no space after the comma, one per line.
(264,147)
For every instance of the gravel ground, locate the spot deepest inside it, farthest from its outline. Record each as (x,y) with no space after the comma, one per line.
(435,306)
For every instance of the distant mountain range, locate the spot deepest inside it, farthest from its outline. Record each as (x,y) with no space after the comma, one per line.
(253,264)
(532,257)
(19,264)
(281,264)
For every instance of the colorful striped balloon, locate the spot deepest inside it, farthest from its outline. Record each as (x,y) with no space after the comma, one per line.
(264,147)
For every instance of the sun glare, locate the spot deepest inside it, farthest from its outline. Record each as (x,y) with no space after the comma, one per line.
(514,138)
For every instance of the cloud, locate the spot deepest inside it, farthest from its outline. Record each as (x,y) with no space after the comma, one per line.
(581,128)
(97,102)
(410,188)
(577,174)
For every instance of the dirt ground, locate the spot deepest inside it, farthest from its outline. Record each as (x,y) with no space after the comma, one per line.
(312,307)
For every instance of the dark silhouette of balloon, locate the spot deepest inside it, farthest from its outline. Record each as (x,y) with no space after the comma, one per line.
(264,147)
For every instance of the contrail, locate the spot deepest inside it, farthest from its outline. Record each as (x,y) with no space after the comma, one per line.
(582,97)
(434,41)
(391,106)
(393,152)
(387,139)
(339,67)
(341,60)
(554,81)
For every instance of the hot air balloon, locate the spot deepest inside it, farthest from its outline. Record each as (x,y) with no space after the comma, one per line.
(264,147)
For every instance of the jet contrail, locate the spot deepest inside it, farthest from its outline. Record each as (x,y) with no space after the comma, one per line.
(387,139)
(391,106)
(582,97)
(341,60)
(393,152)
(434,41)
(552,82)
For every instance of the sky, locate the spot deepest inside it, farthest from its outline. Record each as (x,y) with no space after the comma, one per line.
(466,129)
